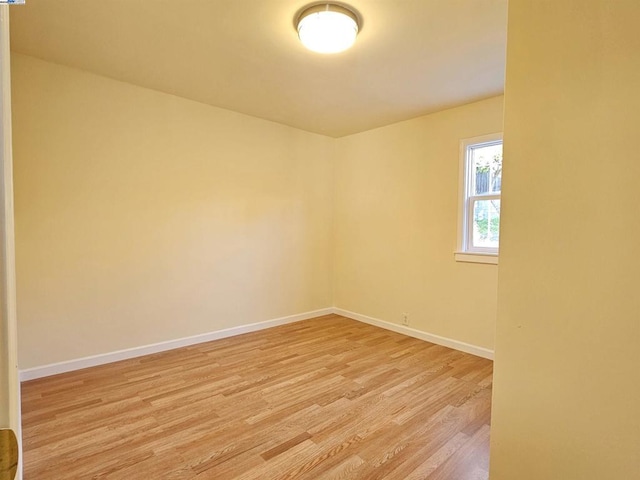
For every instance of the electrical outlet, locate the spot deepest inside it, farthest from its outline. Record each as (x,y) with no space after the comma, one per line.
(405,319)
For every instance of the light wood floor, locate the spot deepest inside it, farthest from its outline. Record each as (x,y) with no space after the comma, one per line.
(320,399)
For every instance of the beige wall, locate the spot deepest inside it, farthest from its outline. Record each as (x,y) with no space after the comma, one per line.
(567,379)
(396,210)
(143,217)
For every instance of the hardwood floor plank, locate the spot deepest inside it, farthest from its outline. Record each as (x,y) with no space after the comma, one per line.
(283,447)
(327,398)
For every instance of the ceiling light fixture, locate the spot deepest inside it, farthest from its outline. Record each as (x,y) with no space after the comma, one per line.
(327,27)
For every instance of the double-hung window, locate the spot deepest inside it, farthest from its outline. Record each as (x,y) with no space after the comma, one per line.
(480,187)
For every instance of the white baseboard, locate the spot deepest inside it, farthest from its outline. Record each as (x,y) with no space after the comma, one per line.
(104,358)
(412,332)
(101,359)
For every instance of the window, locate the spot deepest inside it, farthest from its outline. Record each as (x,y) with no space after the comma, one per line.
(480,186)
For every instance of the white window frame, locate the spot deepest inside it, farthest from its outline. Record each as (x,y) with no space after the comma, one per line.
(464,252)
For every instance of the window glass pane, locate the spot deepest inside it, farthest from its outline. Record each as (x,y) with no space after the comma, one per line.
(486,223)
(486,168)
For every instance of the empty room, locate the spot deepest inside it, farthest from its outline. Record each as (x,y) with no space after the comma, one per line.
(266,239)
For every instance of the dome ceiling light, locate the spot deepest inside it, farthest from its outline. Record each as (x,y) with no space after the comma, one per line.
(327,27)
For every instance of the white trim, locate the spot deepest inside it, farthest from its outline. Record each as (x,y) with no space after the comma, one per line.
(490,258)
(8,257)
(412,332)
(104,358)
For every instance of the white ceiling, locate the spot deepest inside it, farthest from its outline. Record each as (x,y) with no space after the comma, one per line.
(412,57)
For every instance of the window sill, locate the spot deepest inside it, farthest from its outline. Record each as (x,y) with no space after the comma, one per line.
(466,257)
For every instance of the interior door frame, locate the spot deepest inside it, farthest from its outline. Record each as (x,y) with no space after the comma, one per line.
(8,315)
